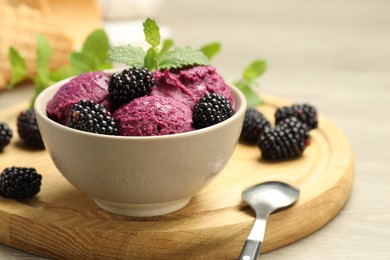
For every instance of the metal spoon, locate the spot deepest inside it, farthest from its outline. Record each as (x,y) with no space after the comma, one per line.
(264,198)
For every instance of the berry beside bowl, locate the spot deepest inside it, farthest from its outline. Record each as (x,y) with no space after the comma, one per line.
(140,175)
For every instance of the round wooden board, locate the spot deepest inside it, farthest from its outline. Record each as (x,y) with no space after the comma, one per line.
(61,222)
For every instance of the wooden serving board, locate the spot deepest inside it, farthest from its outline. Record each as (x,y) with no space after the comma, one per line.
(60,222)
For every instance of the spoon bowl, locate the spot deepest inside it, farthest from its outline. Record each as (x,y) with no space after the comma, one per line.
(274,195)
(265,198)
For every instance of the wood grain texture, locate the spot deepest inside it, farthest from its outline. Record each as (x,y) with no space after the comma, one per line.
(61,222)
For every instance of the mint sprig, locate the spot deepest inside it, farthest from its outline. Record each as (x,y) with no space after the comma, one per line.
(92,57)
(248,83)
(154,59)
(97,43)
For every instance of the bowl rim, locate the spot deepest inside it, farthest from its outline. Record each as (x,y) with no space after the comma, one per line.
(40,111)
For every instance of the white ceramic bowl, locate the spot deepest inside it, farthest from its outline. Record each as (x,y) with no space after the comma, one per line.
(140,176)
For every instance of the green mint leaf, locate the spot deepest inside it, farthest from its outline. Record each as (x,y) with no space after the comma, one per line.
(105,66)
(166,46)
(248,81)
(18,67)
(97,43)
(211,49)
(62,73)
(151,59)
(43,56)
(42,79)
(152,36)
(251,96)
(179,57)
(83,62)
(247,84)
(93,56)
(128,54)
(152,32)
(254,70)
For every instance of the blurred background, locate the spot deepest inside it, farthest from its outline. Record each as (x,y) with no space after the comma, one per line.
(333,54)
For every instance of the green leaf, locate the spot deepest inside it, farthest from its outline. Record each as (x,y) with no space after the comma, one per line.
(248,81)
(151,59)
(166,58)
(42,79)
(97,43)
(43,56)
(254,70)
(179,57)
(18,67)
(251,96)
(92,57)
(166,46)
(83,62)
(211,49)
(152,32)
(105,66)
(62,73)
(128,54)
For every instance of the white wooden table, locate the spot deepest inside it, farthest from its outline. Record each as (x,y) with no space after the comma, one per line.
(333,54)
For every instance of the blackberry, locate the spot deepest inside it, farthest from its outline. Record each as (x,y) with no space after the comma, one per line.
(5,135)
(211,109)
(304,112)
(294,124)
(286,141)
(86,115)
(254,124)
(28,129)
(19,182)
(130,84)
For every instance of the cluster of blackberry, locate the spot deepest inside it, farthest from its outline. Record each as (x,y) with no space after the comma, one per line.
(123,87)
(290,136)
(19,182)
(132,83)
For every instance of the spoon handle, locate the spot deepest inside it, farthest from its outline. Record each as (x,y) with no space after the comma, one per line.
(252,246)
(251,250)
